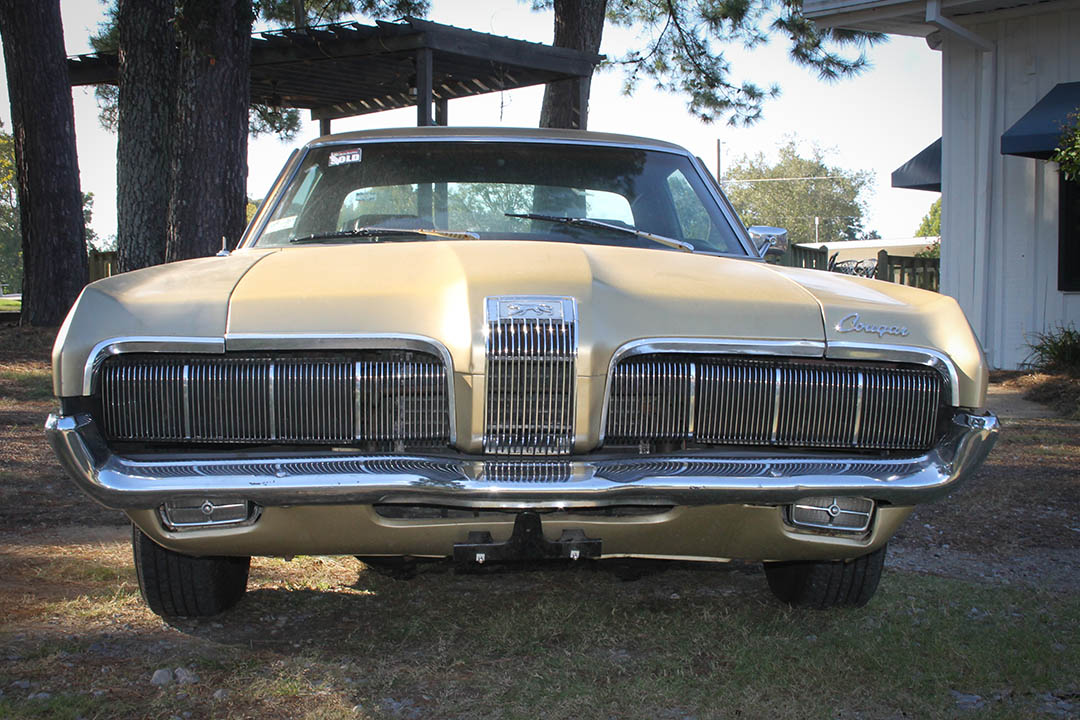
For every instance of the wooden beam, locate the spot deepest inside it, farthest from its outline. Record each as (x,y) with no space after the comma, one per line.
(324,126)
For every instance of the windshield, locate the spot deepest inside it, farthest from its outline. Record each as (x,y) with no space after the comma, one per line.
(347,192)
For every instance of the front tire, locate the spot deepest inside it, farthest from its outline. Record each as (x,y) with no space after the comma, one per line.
(827,584)
(177,585)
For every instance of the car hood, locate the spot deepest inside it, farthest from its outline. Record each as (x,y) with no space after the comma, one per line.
(437,290)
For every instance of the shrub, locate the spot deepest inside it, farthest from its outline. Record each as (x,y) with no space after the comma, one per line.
(1055,350)
(933,250)
(1067,154)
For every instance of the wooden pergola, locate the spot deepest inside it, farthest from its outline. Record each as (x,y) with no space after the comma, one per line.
(348,69)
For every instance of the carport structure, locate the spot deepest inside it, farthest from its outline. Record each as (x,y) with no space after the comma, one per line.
(347,69)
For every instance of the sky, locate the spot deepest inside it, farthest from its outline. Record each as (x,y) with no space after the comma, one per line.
(874,122)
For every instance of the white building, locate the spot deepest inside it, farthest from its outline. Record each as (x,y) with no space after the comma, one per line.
(1011,227)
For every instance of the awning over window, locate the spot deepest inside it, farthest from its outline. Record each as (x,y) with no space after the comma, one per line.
(1037,133)
(922,172)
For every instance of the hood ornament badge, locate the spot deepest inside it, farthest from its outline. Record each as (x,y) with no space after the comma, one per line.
(530,307)
(852,323)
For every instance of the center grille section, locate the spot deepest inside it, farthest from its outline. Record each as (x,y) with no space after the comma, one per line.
(382,397)
(531,355)
(725,401)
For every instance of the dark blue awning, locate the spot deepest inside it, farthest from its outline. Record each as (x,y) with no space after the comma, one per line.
(922,172)
(1037,133)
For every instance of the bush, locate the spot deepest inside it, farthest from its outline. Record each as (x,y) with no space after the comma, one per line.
(1067,154)
(1056,350)
(933,250)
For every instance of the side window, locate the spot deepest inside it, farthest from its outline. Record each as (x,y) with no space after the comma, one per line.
(693,218)
(1069,236)
(284,218)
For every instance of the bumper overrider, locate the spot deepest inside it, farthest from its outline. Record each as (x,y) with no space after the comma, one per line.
(348,478)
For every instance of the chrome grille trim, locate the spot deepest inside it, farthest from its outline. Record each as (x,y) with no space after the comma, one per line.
(793,403)
(531,355)
(381,397)
(527,472)
(400,400)
(651,400)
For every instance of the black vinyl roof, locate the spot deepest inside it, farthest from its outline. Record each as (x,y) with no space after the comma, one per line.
(922,172)
(347,69)
(1037,133)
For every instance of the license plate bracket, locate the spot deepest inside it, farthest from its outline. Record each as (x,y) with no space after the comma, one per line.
(527,542)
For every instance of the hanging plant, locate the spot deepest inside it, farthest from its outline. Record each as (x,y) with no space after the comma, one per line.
(1067,153)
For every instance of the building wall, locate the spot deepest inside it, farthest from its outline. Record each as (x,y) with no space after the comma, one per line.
(1000,213)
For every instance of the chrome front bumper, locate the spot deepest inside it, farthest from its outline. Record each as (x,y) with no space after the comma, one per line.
(347,478)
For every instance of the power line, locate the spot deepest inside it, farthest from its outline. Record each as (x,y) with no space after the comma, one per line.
(787,179)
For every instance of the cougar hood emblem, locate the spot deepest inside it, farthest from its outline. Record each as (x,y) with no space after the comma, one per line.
(522,309)
(853,323)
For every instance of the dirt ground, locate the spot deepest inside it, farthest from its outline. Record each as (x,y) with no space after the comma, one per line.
(1016,525)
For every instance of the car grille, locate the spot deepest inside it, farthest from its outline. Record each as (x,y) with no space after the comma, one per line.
(529,406)
(817,404)
(381,396)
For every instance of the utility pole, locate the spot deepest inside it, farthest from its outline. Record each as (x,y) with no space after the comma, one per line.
(719,161)
(817,222)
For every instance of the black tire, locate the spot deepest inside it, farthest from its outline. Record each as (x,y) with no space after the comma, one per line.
(827,584)
(177,585)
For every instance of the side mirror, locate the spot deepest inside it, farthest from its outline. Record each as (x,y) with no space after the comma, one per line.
(768,240)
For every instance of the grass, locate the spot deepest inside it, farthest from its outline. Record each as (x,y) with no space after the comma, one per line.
(25,381)
(10,305)
(318,637)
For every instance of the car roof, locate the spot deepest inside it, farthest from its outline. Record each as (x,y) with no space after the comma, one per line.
(498,133)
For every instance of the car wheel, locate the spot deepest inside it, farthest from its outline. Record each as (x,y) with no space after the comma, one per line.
(827,584)
(177,585)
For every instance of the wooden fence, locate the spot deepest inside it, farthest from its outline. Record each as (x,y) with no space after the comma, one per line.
(917,272)
(102,264)
(804,257)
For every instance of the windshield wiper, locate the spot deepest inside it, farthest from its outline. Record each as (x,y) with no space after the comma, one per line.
(371,232)
(590,223)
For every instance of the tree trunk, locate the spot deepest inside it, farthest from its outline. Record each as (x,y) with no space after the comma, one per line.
(579,25)
(47,171)
(146,103)
(209,164)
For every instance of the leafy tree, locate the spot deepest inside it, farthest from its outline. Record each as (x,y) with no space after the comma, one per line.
(684,48)
(931,222)
(795,190)
(11,269)
(46,168)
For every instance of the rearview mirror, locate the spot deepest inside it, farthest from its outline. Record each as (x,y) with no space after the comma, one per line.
(768,240)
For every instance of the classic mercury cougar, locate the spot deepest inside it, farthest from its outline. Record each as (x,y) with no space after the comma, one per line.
(494,345)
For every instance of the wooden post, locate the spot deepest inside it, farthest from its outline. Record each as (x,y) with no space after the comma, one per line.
(441,197)
(324,126)
(581,120)
(882,272)
(423,87)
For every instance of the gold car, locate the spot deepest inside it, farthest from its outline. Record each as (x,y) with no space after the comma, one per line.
(494,345)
